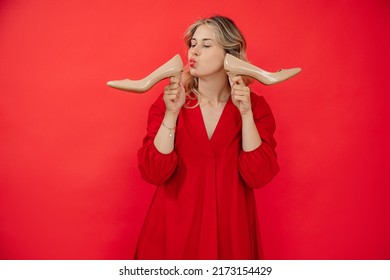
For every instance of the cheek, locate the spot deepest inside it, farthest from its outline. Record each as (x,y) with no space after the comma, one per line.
(217,61)
(189,53)
(219,57)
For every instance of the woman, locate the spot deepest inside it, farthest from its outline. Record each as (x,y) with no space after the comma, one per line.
(209,143)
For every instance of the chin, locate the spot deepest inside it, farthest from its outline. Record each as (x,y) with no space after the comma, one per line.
(194,73)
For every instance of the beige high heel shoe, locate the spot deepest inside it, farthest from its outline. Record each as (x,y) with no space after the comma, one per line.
(235,66)
(171,68)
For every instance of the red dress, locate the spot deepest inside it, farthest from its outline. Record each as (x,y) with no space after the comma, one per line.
(204,206)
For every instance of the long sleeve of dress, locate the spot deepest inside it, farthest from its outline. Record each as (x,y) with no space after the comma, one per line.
(259,167)
(154,166)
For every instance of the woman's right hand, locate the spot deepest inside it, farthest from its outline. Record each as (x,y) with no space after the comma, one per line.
(174,96)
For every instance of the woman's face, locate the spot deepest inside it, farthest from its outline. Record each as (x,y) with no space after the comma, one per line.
(205,56)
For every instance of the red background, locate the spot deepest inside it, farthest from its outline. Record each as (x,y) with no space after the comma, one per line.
(69,183)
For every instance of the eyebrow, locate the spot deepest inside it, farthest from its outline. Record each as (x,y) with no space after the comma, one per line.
(205,39)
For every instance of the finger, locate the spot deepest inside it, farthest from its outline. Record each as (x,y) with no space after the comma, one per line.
(245,94)
(174,86)
(174,80)
(238,80)
(172,95)
(240,93)
(241,98)
(171,99)
(242,88)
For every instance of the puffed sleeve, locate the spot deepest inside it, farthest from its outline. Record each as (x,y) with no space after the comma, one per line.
(154,166)
(259,167)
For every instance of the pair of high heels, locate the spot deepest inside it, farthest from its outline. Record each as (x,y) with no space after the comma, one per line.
(233,67)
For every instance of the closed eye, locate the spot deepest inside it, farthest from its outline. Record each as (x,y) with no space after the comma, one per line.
(194,42)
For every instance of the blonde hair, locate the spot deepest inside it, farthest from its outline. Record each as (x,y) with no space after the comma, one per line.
(228,36)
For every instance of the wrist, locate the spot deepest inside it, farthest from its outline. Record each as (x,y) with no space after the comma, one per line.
(170,119)
(169,115)
(247,115)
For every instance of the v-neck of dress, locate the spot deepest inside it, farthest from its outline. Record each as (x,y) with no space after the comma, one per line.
(193,126)
(218,125)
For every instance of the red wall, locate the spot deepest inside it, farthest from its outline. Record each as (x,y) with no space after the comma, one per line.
(69,184)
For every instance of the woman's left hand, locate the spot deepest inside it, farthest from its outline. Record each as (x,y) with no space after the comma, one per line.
(241,95)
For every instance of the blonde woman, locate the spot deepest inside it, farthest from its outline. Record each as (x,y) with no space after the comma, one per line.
(209,144)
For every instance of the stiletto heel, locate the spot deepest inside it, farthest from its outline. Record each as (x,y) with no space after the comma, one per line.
(235,66)
(171,68)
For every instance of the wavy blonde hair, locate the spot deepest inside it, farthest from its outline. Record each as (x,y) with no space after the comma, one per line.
(228,36)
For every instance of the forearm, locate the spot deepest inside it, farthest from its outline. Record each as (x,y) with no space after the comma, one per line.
(165,137)
(251,139)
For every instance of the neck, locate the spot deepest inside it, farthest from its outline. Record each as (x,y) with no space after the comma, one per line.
(214,91)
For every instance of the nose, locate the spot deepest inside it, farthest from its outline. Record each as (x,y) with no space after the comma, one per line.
(195,50)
